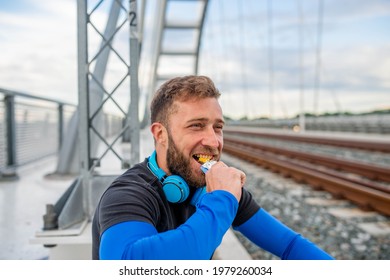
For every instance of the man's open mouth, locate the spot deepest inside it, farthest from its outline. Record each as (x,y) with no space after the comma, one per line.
(201,158)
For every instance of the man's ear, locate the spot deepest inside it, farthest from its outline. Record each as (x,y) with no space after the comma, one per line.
(160,133)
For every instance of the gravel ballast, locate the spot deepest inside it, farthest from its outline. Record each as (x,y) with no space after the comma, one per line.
(337,226)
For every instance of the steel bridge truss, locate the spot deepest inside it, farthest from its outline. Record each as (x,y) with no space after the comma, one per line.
(108,79)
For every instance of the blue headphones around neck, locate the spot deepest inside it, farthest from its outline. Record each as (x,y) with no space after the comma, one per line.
(175,188)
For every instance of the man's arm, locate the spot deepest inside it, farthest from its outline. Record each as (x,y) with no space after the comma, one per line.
(197,238)
(271,235)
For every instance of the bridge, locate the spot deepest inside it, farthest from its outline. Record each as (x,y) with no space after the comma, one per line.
(120,64)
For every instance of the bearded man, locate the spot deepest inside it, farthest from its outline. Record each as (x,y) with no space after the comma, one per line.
(166,207)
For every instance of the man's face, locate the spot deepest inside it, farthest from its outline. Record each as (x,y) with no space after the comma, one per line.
(195,129)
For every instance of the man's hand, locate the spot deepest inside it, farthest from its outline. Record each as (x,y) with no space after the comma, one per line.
(223,177)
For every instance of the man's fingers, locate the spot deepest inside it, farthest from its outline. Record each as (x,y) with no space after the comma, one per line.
(243,178)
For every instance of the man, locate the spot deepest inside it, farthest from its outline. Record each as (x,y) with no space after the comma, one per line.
(166,207)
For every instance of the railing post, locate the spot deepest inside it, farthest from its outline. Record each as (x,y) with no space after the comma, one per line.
(11,136)
(60,124)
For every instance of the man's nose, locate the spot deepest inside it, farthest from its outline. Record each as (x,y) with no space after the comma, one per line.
(210,138)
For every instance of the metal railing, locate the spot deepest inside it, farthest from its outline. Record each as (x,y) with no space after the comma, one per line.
(369,124)
(31,128)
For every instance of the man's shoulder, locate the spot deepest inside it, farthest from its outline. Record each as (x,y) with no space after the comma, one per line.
(137,179)
(138,172)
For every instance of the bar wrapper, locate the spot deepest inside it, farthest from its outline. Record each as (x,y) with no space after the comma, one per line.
(206,166)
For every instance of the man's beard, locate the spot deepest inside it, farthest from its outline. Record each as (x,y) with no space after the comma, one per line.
(178,164)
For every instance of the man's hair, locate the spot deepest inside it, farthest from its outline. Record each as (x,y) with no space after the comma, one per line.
(180,89)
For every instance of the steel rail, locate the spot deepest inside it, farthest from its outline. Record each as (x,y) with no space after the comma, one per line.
(371,171)
(363,144)
(342,175)
(363,196)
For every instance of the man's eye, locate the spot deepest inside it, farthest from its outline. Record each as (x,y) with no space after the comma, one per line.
(197,125)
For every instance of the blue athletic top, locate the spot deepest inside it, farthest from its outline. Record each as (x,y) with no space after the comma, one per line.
(133,220)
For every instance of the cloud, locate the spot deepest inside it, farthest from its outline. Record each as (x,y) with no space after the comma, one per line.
(355,57)
(39,53)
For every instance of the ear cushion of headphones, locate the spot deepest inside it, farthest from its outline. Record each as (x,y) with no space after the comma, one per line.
(175,189)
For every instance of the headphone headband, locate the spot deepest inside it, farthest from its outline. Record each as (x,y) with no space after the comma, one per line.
(157,171)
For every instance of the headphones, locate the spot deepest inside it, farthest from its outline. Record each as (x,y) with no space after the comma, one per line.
(175,188)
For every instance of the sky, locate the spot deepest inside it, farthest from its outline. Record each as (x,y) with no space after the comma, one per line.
(267,60)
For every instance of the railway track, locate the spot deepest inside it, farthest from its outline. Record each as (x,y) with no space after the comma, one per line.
(363,144)
(366,185)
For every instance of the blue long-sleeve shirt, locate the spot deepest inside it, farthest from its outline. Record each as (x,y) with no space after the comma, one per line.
(133,220)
